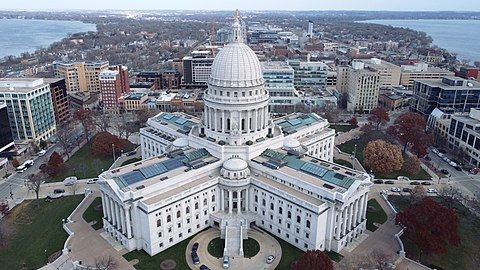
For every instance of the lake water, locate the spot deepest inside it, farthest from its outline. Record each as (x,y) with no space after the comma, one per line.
(458,36)
(18,36)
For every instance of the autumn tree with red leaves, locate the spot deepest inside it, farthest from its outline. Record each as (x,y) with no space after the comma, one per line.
(430,225)
(102,145)
(54,164)
(353,121)
(86,120)
(378,116)
(382,157)
(409,129)
(313,259)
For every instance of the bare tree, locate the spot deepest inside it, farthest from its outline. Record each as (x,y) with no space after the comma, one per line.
(63,134)
(380,259)
(102,121)
(449,195)
(74,188)
(417,194)
(34,183)
(106,263)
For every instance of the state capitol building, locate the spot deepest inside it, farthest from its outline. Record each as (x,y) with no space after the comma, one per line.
(233,169)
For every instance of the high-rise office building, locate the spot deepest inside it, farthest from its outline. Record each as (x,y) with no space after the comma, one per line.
(196,70)
(363,88)
(6,139)
(80,76)
(310,29)
(58,91)
(448,94)
(30,108)
(389,73)
(309,74)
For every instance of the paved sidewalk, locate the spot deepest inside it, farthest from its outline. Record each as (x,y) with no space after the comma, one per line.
(87,245)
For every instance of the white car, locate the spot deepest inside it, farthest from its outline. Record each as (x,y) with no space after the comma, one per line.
(435,151)
(42,153)
(395,189)
(92,181)
(431,190)
(70,181)
(270,259)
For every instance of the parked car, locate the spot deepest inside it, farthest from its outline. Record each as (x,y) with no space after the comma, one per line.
(204,267)
(42,153)
(435,151)
(431,190)
(395,189)
(445,172)
(195,247)
(458,168)
(42,166)
(406,189)
(389,182)
(415,183)
(378,181)
(131,153)
(92,181)
(270,258)
(427,157)
(226,262)
(58,191)
(426,183)
(195,258)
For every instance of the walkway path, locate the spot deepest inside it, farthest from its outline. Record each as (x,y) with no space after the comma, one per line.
(268,246)
(87,245)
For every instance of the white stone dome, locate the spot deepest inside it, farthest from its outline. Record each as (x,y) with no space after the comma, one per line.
(235,164)
(291,143)
(180,143)
(236,65)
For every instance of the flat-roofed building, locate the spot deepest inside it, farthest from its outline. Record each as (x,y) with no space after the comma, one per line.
(58,91)
(389,73)
(420,71)
(6,139)
(464,134)
(80,76)
(363,88)
(30,108)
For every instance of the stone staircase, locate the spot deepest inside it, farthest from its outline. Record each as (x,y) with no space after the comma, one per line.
(233,241)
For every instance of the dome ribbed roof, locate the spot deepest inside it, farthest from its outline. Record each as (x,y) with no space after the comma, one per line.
(236,65)
(235,164)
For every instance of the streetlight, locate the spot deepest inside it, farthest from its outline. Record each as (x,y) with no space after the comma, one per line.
(113,150)
(354,156)
(46,258)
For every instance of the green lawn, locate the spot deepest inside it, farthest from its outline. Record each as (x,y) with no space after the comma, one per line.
(343,162)
(216,246)
(84,165)
(460,257)
(130,161)
(250,247)
(34,231)
(376,216)
(146,262)
(343,128)
(91,214)
(349,148)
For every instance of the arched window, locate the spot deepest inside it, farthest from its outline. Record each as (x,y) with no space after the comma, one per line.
(308,223)
(289,214)
(263,202)
(205,202)
(178,214)
(280,210)
(159,222)
(169,218)
(271,206)
(213,198)
(256,198)
(299,219)
(196,206)
(187,210)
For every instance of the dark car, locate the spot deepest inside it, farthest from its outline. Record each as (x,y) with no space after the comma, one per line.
(428,158)
(415,183)
(131,153)
(458,168)
(427,183)
(389,182)
(42,166)
(195,247)
(444,171)
(204,267)
(378,181)
(58,191)
(406,189)
(195,258)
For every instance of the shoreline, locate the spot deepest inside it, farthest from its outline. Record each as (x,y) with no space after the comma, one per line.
(32,48)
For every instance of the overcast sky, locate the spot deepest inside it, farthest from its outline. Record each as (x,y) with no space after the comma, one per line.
(467,5)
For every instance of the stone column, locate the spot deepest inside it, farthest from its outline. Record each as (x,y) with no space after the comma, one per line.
(266,118)
(360,209)
(239,201)
(246,200)
(365,202)
(350,216)
(338,225)
(122,218)
(247,121)
(106,205)
(112,212)
(230,202)
(344,218)
(205,116)
(223,121)
(104,209)
(255,120)
(127,218)
(222,198)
